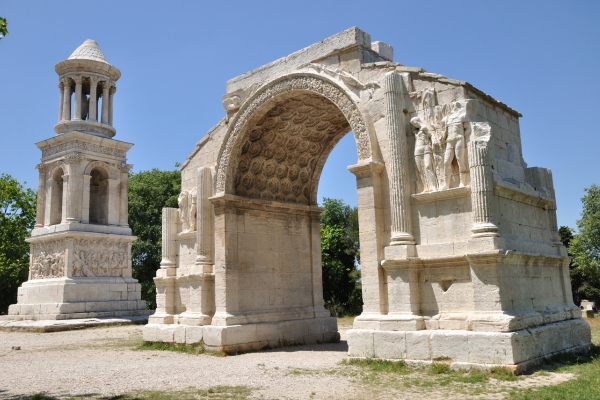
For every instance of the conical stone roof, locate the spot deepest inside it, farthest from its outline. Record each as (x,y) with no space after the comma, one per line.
(89,50)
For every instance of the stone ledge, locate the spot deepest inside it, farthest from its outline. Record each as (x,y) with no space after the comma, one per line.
(518,350)
(44,326)
(440,195)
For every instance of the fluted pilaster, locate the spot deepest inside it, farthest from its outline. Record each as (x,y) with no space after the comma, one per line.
(397,160)
(170,217)
(204,218)
(482,188)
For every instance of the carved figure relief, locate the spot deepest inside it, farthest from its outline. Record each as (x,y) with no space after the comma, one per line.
(424,142)
(443,130)
(188,208)
(99,258)
(47,260)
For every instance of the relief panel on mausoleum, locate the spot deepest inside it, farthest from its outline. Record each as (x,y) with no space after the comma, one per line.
(92,258)
(47,260)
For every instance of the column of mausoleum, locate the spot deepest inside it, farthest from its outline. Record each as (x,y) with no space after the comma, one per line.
(105,101)
(61,86)
(482,188)
(112,91)
(397,162)
(78,86)
(93,110)
(41,198)
(66,108)
(204,218)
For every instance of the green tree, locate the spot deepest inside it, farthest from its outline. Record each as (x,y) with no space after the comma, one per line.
(3,27)
(149,192)
(17,217)
(340,255)
(585,245)
(566,235)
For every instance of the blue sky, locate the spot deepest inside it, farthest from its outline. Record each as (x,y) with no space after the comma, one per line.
(539,57)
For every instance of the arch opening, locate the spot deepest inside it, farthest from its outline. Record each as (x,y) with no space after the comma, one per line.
(98,196)
(56,197)
(282,155)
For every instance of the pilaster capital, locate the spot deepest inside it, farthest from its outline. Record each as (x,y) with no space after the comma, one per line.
(42,167)
(73,158)
(124,168)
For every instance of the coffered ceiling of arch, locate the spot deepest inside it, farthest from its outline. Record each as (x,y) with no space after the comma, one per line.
(283,154)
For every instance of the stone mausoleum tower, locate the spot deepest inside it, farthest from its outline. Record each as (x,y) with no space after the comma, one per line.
(80,262)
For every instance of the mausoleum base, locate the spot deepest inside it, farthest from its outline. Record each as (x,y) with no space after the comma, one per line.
(75,298)
(249,337)
(463,349)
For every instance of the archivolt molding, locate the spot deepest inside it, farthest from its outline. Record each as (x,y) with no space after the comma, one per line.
(304,82)
(110,169)
(59,164)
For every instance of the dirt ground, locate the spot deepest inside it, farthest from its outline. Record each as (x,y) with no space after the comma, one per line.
(108,361)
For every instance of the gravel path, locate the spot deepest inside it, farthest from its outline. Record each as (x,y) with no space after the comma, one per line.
(104,361)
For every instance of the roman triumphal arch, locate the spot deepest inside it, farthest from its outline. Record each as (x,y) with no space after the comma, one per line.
(460,253)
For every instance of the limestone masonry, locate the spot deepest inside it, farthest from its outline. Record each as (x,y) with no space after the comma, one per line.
(460,252)
(80,258)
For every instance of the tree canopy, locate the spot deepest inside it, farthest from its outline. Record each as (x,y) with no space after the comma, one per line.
(340,254)
(149,192)
(585,245)
(3,27)
(17,217)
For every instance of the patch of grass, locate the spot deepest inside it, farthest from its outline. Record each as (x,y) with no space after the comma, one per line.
(377,365)
(180,348)
(502,374)
(439,368)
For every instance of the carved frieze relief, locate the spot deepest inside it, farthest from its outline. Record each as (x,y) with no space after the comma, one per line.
(47,260)
(76,144)
(93,258)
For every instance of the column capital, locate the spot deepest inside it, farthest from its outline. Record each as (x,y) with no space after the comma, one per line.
(66,82)
(78,79)
(94,80)
(42,167)
(112,89)
(73,158)
(61,85)
(124,168)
